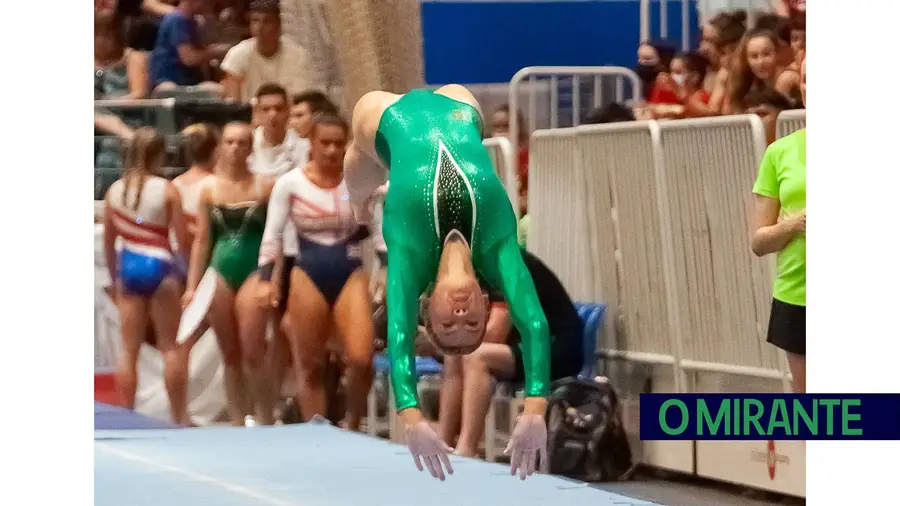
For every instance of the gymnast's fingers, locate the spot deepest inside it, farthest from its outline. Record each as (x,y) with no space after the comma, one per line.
(445,459)
(531,461)
(430,464)
(436,462)
(545,463)
(417,461)
(515,461)
(523,464)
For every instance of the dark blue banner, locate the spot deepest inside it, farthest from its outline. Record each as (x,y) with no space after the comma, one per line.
(864,417)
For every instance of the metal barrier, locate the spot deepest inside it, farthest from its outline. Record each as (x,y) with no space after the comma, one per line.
(504,160)
(565,86)
(658,215)
(789,122)
(664,209)
(555,204)
(664,21)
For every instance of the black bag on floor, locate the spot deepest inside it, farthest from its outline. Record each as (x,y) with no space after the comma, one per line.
(585,435)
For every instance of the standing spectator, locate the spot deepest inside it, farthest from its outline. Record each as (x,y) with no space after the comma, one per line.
(755,68)
(679,93)
(276,149)
(721,36)
(652,58)
(267,57)
(780,227)
(793,9)
(788,80)
(308,104)
(179,57)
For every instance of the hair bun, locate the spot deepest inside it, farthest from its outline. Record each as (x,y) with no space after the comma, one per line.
(739,15)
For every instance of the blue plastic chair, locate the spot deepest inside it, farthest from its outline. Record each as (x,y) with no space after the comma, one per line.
(592,316)
(425,366)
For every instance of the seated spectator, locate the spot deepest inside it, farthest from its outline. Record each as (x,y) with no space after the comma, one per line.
(308,104)
(721,35)
(755,68)
(276,149)
(267,57)
(221,23)
(119,72)
(767,104)
(610,113)
(179,57)
(467,380)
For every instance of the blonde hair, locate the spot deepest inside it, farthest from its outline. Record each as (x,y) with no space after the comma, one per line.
(143,158)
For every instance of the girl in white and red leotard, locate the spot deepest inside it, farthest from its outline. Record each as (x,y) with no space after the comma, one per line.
(329,288)
(142,209)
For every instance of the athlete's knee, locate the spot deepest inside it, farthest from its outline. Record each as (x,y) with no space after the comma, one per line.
(254,354)
(358,362)
(231,351)
(312,368)
(176,369)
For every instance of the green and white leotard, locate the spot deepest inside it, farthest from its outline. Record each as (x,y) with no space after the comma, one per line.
(441,178)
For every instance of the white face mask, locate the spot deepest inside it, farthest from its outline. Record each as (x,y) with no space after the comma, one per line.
(679,79)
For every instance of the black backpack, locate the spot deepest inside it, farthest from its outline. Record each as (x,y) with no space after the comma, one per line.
(585,435)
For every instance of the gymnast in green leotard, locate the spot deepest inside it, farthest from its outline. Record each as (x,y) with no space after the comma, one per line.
(447,221)
(230,223)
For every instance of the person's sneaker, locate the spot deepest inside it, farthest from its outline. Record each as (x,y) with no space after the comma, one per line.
(249,421)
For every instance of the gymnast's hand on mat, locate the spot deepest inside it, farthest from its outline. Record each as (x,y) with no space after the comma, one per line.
(425,444)
(527,443)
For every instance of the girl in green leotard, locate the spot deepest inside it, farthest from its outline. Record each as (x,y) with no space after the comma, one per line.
(447,221)
(230,224)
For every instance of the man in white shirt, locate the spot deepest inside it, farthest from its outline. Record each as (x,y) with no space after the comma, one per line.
(267,57)
(276,148)
(276,151)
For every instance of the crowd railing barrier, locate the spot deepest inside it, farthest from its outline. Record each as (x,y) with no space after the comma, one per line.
(789,122)
(652,218)
(504,160)
(572,90)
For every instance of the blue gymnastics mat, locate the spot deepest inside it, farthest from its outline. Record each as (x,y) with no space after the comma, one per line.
(108,417)
(304,465)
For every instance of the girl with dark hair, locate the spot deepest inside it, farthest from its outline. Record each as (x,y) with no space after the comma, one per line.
(329,288)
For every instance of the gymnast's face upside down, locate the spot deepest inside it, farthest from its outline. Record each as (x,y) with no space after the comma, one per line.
(457,310)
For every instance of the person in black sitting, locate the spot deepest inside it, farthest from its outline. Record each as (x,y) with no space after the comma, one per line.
(467,382)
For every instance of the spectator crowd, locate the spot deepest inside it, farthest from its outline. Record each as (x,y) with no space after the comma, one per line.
(234,52)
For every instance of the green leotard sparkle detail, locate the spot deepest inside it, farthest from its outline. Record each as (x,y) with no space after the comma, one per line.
(236,234)
(441,179)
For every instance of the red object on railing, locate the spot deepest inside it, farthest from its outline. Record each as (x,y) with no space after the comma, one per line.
(105,389)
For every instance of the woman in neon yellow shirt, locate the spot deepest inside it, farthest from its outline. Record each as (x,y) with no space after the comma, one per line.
(780,227)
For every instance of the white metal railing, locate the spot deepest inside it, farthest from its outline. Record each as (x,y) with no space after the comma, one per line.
(504,160)
(789,122)
(528,78)
(664,21)
(651,218)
